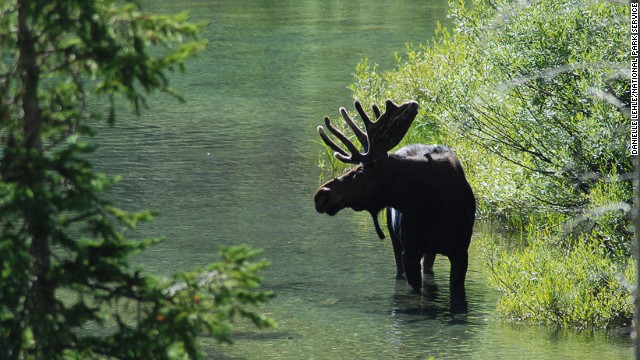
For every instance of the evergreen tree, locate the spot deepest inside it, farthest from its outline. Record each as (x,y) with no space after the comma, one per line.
(64,265)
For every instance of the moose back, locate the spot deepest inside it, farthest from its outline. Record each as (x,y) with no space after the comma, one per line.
(430,205)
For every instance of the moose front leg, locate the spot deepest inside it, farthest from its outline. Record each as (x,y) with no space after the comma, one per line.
(393,224)
(412,268)
(397,252)
(411,239)
(427,263)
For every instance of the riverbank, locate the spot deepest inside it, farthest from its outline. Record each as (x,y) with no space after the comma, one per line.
(532,99)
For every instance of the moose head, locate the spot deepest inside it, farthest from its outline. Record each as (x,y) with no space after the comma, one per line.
(360,187)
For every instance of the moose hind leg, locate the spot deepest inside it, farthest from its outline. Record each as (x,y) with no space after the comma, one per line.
(459,265)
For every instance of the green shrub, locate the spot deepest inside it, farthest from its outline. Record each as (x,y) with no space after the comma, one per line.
(519,84)
(550,281)
(532,98)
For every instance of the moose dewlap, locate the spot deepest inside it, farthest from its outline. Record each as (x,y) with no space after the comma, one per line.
(430,205)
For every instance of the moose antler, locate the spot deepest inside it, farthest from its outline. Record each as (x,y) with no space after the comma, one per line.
(378,138)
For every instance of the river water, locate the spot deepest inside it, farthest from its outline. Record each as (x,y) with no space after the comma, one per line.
(238,164)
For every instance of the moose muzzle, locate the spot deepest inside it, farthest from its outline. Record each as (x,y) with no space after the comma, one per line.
(323,204)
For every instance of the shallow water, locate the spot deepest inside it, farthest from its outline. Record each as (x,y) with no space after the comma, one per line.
(238,164)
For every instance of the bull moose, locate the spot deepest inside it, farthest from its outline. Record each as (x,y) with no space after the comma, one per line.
(430,205)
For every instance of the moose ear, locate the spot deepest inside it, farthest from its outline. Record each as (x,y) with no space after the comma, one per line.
(391,126)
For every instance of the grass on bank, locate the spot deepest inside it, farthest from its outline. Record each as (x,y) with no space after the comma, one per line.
(533,97)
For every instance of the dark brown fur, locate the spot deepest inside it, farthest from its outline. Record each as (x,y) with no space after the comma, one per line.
(430,205)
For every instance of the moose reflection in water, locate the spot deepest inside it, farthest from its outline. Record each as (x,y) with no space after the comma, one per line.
(430,205)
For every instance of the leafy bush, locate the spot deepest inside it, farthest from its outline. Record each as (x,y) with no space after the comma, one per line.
(533,96)
(550,281)
(525,84)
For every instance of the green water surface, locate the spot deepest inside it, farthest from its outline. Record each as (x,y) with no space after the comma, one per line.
(238,164)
